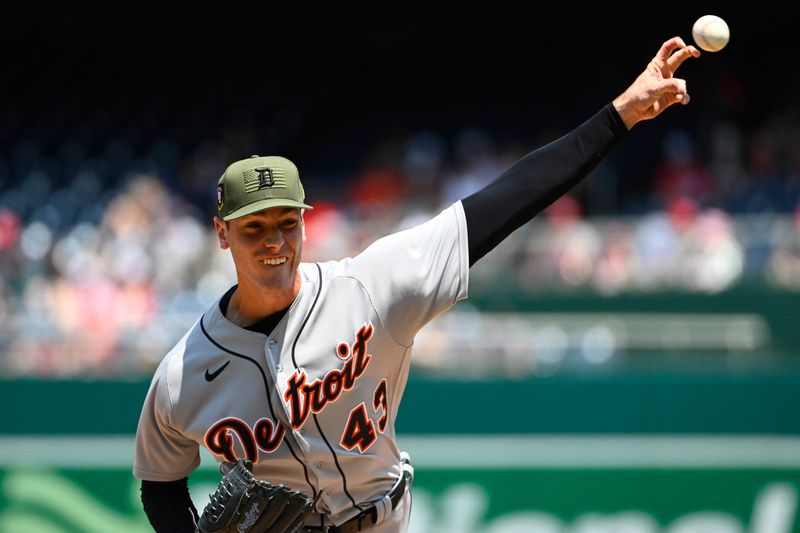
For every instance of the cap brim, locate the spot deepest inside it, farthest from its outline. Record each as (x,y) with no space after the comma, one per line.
(261,205)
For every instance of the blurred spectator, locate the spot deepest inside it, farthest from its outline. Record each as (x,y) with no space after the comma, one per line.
(327,233)
(376,189)
(681,174)
(713,257)
(618,261)
(9,229)
(574,244)
(659,243)
(474,165)
(727,159)
(424,162)
(763,190)
(783,266)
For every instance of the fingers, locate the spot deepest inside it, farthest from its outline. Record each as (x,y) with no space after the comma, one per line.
(655,89)
(676,59)
(668,47)
(671,85)
(674,90)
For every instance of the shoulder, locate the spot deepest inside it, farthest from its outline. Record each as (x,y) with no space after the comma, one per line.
(418,236)
(175,356)
(313,273)
(167,377)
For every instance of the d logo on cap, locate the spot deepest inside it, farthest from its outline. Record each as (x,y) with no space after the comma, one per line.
(265,178)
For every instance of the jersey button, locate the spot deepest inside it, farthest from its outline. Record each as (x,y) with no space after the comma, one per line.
(272,343)
(279,368)
(320,465)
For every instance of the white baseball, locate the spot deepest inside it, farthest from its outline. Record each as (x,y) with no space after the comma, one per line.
(711,33)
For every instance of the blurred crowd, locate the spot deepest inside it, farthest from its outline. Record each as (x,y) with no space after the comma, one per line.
(110,296)
(107,251)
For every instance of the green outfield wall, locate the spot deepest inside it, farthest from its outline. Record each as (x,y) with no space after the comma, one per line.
(632,453)
(766,403)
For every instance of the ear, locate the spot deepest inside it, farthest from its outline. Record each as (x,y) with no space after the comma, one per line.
(303,225)
(222,233)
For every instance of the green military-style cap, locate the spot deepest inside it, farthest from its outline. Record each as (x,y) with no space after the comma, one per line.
(259,183)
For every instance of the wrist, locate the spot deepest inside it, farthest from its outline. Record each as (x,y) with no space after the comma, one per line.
(628,116)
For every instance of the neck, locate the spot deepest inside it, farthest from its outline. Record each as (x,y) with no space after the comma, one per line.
(250,303)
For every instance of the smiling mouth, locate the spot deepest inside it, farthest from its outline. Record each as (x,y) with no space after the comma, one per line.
(275,261)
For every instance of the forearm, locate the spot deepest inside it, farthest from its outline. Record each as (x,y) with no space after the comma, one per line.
(537,180)
(169,507)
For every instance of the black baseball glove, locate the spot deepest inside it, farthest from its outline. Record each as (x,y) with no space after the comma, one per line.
(244,504)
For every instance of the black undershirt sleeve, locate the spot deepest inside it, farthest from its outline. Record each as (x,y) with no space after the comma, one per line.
(169,507)
(537,180)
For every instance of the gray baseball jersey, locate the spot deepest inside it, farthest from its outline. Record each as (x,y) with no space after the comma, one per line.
(313,405)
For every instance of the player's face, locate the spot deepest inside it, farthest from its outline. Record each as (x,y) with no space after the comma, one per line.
(265,247)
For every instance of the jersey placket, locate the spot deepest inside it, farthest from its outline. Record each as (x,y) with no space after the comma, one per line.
(281,369)
(317,450)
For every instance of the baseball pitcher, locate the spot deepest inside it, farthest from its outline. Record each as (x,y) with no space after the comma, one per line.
(292,379)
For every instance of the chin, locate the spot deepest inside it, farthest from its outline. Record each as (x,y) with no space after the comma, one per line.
(275,283)
(281,278)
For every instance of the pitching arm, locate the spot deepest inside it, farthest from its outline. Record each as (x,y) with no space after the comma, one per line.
(537,180)
(541,177)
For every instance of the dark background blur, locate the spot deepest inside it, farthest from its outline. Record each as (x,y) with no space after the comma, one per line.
(326,85)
